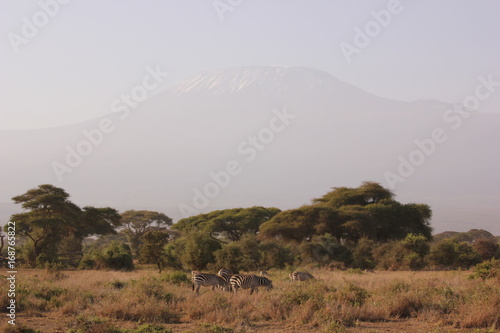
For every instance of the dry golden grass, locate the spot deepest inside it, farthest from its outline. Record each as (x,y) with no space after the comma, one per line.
(337,301)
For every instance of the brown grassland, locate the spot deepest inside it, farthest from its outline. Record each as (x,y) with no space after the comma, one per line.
(337,301)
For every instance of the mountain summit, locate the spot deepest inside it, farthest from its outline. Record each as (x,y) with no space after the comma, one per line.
(293,132)
(268,80)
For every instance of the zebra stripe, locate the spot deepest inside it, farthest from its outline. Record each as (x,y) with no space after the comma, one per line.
(224,272)
(207,280)
(249,281)
(226,275)
(300,276)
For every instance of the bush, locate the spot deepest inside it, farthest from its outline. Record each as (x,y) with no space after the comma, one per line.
(454,254)
(115,256)
(486,270)
(362,254)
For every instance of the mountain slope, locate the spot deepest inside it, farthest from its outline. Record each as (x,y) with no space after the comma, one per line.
(293,132)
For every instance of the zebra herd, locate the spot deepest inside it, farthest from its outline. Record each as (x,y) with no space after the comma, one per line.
(228,281)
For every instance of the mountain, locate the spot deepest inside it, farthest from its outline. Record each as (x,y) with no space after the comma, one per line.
(469,236)
(272,136)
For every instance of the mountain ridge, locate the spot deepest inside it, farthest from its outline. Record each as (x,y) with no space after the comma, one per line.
(170,143)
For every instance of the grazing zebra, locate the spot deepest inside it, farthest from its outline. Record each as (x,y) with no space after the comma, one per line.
(249,281)
(208,280)
(300,276)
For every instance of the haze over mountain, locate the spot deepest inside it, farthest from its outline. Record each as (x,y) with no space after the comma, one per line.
(285,135)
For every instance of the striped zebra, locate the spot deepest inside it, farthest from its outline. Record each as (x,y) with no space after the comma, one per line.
(208,280)
(249,281)
(300,276)
(226,275)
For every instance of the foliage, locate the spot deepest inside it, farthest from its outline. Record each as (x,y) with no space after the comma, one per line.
(349,214)
(50,218)
(302,223)
(115,256)
(451,253)
(368,193)
(323,250)
(362,254)
(136,223)
(193,250)
(250,254)
(151,252)
(409,253)
(486,270)
(229,224)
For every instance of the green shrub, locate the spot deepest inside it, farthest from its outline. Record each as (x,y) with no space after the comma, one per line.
(115,256)
(486,270)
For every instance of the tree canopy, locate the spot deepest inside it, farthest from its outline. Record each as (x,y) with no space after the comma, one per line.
(136,223)
(228,224)
(50,217)
(368,211)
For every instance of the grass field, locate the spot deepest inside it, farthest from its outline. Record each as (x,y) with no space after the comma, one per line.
(337,301)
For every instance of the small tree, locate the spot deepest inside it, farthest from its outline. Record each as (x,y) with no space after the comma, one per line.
(138,222)
(195,249)
(152,249)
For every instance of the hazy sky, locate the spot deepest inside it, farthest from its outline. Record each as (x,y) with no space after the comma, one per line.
(66,63)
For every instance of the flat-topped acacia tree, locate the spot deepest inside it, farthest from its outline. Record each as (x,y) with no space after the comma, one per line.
(349,214)
(49,217)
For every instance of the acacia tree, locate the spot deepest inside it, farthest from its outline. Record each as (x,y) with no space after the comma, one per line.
(229,224)
(349,214)
(50,217)
(136,223)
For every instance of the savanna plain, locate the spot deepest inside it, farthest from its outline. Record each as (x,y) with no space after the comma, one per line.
(146,301)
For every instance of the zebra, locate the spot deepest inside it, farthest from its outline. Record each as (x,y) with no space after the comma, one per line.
(263,273)
(300,276)
(207,280)
(226,275)
(249,281)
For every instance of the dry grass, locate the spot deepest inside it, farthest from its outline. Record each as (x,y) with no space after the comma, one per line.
(335,302)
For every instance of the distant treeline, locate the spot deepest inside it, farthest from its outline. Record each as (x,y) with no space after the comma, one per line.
(362,227)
